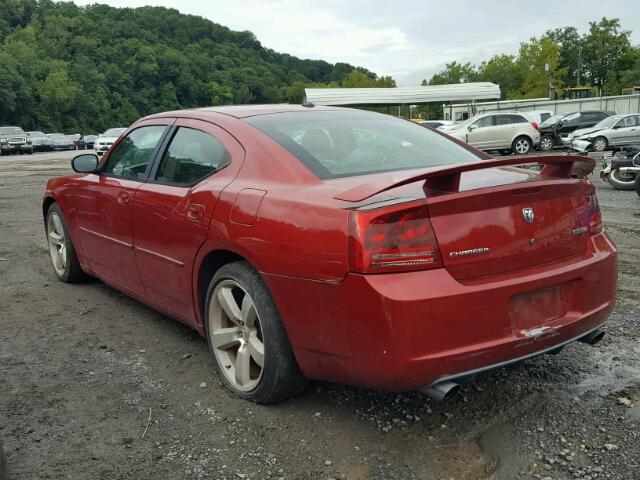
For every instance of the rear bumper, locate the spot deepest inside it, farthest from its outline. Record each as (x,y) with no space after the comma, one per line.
(406,331)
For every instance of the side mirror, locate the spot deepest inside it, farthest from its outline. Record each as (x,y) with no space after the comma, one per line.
(85,163)
(472,127)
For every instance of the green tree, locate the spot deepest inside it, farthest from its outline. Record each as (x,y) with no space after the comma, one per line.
(454,72)
(504,71)
(603,45)
(534,57)
(571,46)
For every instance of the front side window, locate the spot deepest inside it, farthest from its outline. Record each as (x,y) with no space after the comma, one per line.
(192,155)
(629,121)
(484,122)
(342,143)
(133,154)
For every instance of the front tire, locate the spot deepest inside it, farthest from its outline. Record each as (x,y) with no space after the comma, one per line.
(600,144)
(622,180)
(521,145)
(247,338)
(63,255)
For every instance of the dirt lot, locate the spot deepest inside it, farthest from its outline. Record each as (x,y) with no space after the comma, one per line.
(83,368)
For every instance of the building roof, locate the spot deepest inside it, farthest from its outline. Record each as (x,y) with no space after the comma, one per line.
(403,95)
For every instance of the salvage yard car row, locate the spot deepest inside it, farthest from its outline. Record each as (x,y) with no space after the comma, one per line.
(14,139)
(521,132)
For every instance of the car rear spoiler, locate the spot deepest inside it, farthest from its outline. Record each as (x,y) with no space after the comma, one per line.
(447,178)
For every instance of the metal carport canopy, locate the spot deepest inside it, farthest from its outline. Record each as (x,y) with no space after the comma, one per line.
(403,95)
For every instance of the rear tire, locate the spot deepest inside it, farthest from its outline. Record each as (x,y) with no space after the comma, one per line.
(247,338)
(63,255)
(622,181)
(546,143)
(521,145)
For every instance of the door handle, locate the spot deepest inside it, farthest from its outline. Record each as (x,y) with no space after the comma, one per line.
(195,211)
(124,198)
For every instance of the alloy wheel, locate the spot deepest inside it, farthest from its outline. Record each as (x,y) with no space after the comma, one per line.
(522,146)
(546,143)
(236,335)
(57,245)
(599,144)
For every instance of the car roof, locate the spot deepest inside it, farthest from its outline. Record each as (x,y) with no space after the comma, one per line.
(243,111)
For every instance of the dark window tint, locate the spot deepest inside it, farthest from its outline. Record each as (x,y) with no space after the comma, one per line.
(509,119)
(342,143)
(484,122)
(592,117)
(544,116)
(191,156)
(132,155)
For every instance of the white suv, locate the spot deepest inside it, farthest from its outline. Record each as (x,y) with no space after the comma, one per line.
(505,131)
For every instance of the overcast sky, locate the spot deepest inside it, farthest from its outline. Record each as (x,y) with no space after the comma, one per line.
(407,39)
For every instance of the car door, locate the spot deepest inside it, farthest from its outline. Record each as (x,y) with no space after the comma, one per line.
(103,207)
(506,129)
(626,131)
(173,209)
(480,133)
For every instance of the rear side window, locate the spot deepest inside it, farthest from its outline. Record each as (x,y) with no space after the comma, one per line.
(344,143)
(192,155)
(592,117)
(509,119)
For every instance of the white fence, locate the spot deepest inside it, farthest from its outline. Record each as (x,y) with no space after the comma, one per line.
(618,104)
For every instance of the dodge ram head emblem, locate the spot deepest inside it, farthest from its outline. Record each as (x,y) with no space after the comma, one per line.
(528,215)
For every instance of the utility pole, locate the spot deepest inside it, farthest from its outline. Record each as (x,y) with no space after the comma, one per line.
(579,64)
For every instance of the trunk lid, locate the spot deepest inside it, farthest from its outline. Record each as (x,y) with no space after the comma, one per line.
(511,227)
(492,217)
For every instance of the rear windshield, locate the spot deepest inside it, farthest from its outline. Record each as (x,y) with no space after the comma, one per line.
(336,144)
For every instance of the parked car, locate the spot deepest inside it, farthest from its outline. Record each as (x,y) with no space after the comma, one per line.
(613,131)
(87,142)
(506,131)
(60,141)
(339,245)
(14,140)
(556,129)
(75,137)
(538,116)
(106,139)
(39,141)
(435,124)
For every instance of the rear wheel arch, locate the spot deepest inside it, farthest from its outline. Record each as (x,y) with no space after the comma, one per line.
(210,264)
(46,205)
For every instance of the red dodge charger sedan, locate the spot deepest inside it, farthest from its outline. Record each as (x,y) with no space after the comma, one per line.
(334,244)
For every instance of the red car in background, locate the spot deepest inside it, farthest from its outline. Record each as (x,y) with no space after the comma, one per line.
(340,245)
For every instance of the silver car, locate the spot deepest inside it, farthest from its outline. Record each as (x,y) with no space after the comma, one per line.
(510,132)
(614,131)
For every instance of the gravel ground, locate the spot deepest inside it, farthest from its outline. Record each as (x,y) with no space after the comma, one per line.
(95,385)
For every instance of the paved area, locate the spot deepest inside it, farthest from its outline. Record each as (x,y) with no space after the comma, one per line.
(94,385)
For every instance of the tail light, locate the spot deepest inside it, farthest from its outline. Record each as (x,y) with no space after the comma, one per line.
(392,240)
(535,125)
(595,215)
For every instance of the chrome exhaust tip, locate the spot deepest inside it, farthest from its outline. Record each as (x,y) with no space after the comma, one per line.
(592,337)
(441,391)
